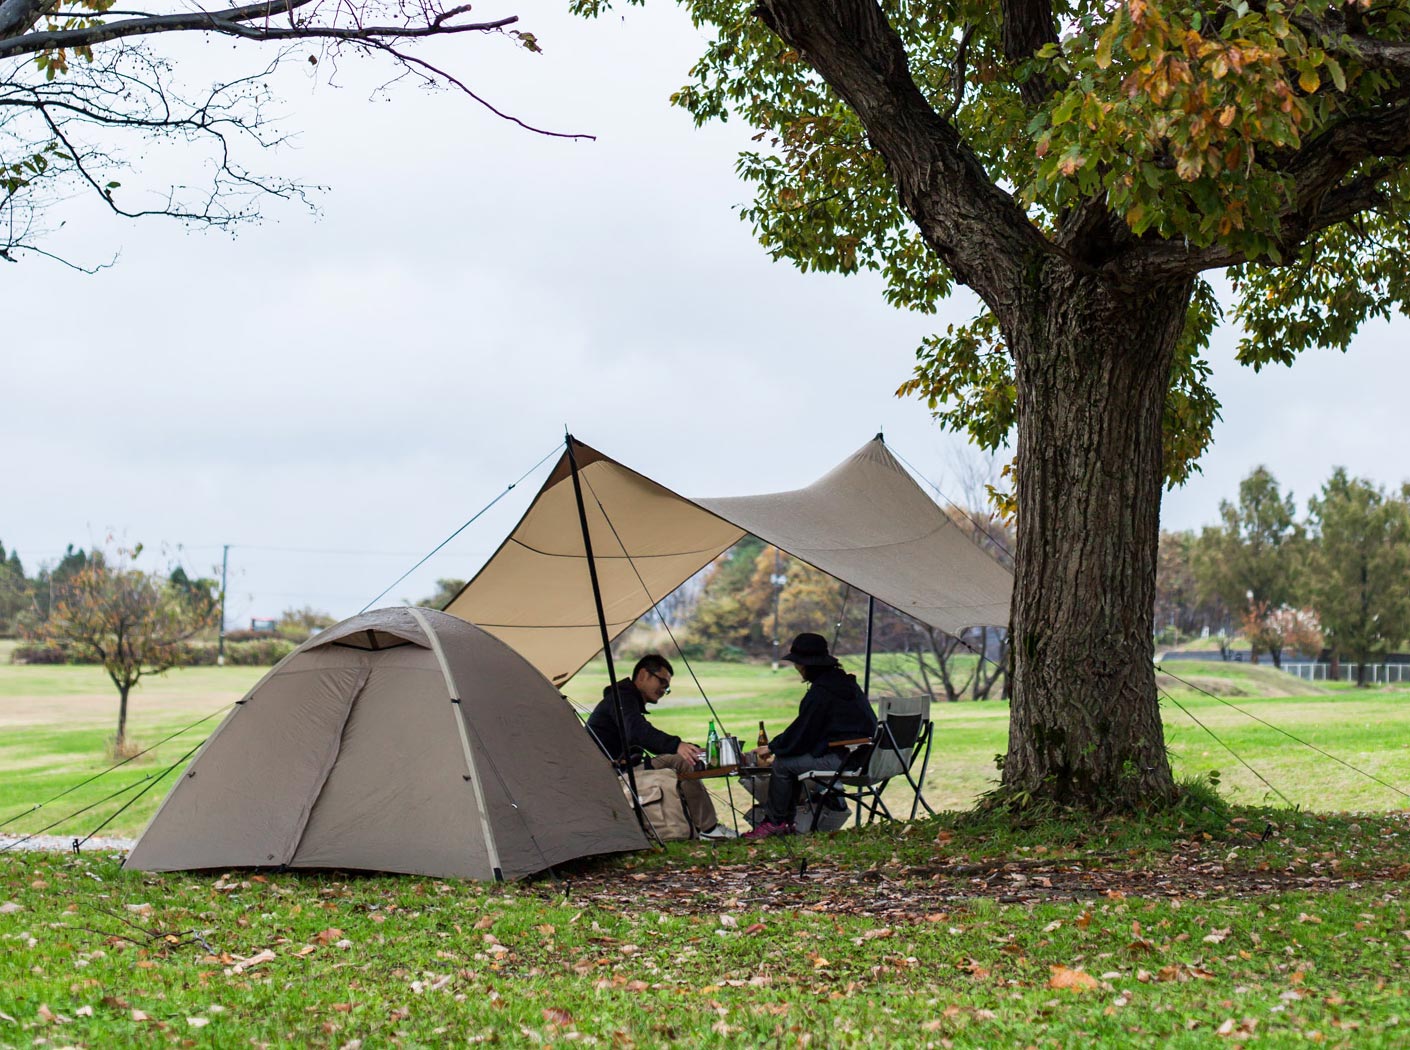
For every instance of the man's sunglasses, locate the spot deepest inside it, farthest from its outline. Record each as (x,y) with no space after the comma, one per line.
(664,681)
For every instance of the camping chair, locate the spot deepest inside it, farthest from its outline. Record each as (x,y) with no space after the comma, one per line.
(903,734)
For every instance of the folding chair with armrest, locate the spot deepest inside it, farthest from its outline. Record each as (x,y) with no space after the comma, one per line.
(903,734)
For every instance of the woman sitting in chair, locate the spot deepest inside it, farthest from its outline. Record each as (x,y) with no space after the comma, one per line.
(833,709)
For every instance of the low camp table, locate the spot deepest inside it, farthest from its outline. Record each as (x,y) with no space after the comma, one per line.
(726,771)
(706,774)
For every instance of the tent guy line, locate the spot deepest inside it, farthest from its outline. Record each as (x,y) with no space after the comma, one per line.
(474,518)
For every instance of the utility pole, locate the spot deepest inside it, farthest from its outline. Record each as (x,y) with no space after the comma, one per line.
(224,567)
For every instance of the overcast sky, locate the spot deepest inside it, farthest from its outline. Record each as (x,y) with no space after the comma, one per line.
(332,396)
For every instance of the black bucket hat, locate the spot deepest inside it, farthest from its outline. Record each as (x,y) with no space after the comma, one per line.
(809,650)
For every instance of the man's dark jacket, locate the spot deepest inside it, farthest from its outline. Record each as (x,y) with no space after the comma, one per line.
(641,734)
(833,709)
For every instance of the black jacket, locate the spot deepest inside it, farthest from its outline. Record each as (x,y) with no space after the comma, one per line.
(641,734)
(833,709)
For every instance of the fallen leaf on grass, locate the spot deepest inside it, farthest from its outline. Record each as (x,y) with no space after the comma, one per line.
(557,1015)
(140,909)
(1072,980)
(1216,936)
(342,1008)
(328,936)
(47,1015)
(139,1015)
(84,1011)
(10,907)
(6,1017)
(198,1022)
(753,928)
(306,950)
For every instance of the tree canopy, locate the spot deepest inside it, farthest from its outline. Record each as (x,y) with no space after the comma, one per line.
(1137,140)
(132,622)
(1361,560)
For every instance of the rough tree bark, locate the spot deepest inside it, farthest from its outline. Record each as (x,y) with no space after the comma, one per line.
(1093,367)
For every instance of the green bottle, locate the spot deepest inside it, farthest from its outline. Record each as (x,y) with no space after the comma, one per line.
(712,747)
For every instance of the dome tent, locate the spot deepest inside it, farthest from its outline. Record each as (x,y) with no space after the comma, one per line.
(401,740)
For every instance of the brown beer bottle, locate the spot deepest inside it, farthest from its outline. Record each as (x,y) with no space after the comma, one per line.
(763,737)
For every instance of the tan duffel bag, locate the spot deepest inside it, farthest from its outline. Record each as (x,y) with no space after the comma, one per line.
(660,795)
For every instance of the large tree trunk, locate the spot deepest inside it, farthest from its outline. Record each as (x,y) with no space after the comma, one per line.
(1093,367)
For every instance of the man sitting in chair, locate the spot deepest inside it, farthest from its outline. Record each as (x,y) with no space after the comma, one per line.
(651,747)
(833,709)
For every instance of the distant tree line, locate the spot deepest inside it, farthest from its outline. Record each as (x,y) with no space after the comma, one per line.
(1334,580)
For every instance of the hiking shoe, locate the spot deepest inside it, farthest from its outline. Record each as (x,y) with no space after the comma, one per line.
(770,828)
(719,833)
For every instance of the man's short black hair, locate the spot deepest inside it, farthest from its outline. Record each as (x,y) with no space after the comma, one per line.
(655,663)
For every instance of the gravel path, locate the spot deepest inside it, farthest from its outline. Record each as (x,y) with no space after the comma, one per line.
(64,843)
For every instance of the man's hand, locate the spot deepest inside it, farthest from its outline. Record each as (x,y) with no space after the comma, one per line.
(689,751)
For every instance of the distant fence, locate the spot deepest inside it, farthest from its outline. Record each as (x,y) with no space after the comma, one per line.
(1375,673)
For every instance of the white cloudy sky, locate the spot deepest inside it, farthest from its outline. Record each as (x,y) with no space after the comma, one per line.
(365,381)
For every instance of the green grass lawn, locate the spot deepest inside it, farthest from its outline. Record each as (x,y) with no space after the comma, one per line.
(889,938)
(1206,926)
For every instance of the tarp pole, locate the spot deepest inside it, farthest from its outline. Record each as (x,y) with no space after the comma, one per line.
(866,674)
(626,757)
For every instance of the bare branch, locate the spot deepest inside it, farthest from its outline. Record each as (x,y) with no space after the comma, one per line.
(235,21)
(419,63)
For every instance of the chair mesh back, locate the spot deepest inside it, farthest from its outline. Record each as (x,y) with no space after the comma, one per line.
(905,717)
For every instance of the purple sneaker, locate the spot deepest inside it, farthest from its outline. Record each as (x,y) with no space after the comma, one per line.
(769,828)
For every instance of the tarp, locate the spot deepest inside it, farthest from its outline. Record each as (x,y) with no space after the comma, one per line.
(866,522)
(400,740)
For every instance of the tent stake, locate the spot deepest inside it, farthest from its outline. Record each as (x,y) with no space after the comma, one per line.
(626,757)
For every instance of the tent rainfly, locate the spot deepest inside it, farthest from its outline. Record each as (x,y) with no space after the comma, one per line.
(400,740)
(866,522)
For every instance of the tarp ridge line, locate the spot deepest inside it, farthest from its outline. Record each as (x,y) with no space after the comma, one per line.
(609,557)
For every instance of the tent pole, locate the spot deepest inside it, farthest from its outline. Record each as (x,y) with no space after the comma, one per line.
(866,675)
(626,757)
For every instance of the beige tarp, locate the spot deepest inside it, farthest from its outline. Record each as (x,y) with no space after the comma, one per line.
(867,523)
(399,740)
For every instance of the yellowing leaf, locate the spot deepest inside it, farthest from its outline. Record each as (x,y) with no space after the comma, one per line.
(1072,980)
(1309,81)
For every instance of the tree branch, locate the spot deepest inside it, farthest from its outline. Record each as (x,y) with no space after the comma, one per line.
(1332,33)
(972,225)
(1320,200)
(17,16)
(1028,25)
(234,21)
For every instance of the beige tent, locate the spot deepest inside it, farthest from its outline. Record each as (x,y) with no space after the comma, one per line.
(400,740)
(866,522)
